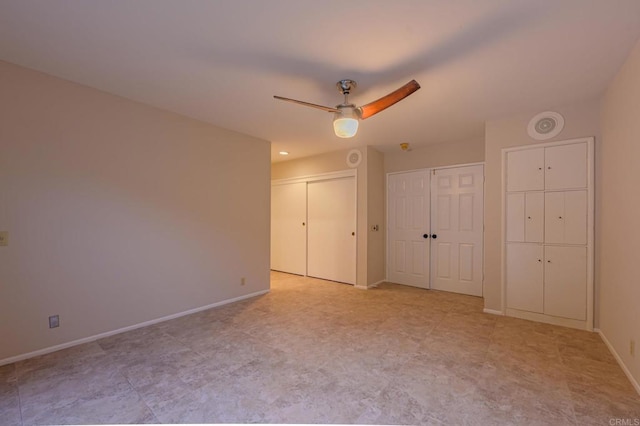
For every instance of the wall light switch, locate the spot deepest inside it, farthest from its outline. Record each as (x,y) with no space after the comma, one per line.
(4,238)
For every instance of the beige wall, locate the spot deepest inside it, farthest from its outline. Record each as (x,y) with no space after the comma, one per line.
(620,201)
(119,213)
(442,154)
(581,119)
(376,208)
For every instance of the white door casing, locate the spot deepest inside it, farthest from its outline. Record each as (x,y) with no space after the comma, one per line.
(331,242)
(408,223)
(457,223)
(288,228)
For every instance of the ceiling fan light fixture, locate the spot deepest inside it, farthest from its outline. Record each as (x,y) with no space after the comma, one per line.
(345,122)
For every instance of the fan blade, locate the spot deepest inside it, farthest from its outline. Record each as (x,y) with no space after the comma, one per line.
(324,108)
(385,102)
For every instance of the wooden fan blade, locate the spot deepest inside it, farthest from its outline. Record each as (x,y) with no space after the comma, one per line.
(385,102)
(324,108)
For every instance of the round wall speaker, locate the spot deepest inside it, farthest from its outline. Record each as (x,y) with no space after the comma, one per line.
(354,157)
(545,125)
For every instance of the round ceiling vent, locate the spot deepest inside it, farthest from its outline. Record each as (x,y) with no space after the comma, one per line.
(545,125)
(354,157)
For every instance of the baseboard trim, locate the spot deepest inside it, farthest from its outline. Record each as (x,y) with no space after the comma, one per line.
(368,286)
(492,312)
(632,379)
(125,329)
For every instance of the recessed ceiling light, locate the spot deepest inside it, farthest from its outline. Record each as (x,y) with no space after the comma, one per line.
(284,152)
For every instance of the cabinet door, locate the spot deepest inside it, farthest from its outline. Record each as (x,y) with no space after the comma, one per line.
(515,216)
(534,217)
(525,217)
(566,166)
(525,170)
(565,217)
(524,277)
(565,282)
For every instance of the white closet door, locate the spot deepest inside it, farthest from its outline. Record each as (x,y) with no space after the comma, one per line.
(457,229)
(288,228)
(331,212)
(408,201)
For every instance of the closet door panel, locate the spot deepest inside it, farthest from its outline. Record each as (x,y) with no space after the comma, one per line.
(288,228)
(332,230)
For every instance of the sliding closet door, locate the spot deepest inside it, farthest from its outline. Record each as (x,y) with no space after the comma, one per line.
(331,210)
(288,228)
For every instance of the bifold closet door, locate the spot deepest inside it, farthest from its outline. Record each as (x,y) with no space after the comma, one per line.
(331,233)
(288,228)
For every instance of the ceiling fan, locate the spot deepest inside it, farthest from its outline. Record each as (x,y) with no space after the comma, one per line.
(345,122)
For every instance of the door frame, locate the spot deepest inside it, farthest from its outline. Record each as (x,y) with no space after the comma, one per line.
(430,171)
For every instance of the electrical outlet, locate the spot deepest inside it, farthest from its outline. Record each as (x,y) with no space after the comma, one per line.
(4,238)
(242,281)
(632,348)
(54,321)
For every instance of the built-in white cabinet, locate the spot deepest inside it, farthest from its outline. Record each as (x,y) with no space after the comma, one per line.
(525,217)
(548,240)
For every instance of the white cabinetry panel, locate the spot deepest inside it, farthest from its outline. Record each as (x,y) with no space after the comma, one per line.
(566,166)
(548,246)
(525,277)
(565,217)
(565,282)
(525,217)
(525,170)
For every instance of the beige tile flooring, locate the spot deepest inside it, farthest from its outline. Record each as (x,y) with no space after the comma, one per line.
(313,351)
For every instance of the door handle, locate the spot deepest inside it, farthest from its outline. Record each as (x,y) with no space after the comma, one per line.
(434,236)
(425,235)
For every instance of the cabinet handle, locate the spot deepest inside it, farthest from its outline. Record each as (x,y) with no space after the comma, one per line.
(549,168)
(434,236)
(539,260)
(559,217)
(539,168)
(302,223)
(528,217)
(353,233)
(425,235)
(548,261)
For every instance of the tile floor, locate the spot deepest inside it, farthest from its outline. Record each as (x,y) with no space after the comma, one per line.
(313,351)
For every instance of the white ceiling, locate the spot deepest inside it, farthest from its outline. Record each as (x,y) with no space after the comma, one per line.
(222,61)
